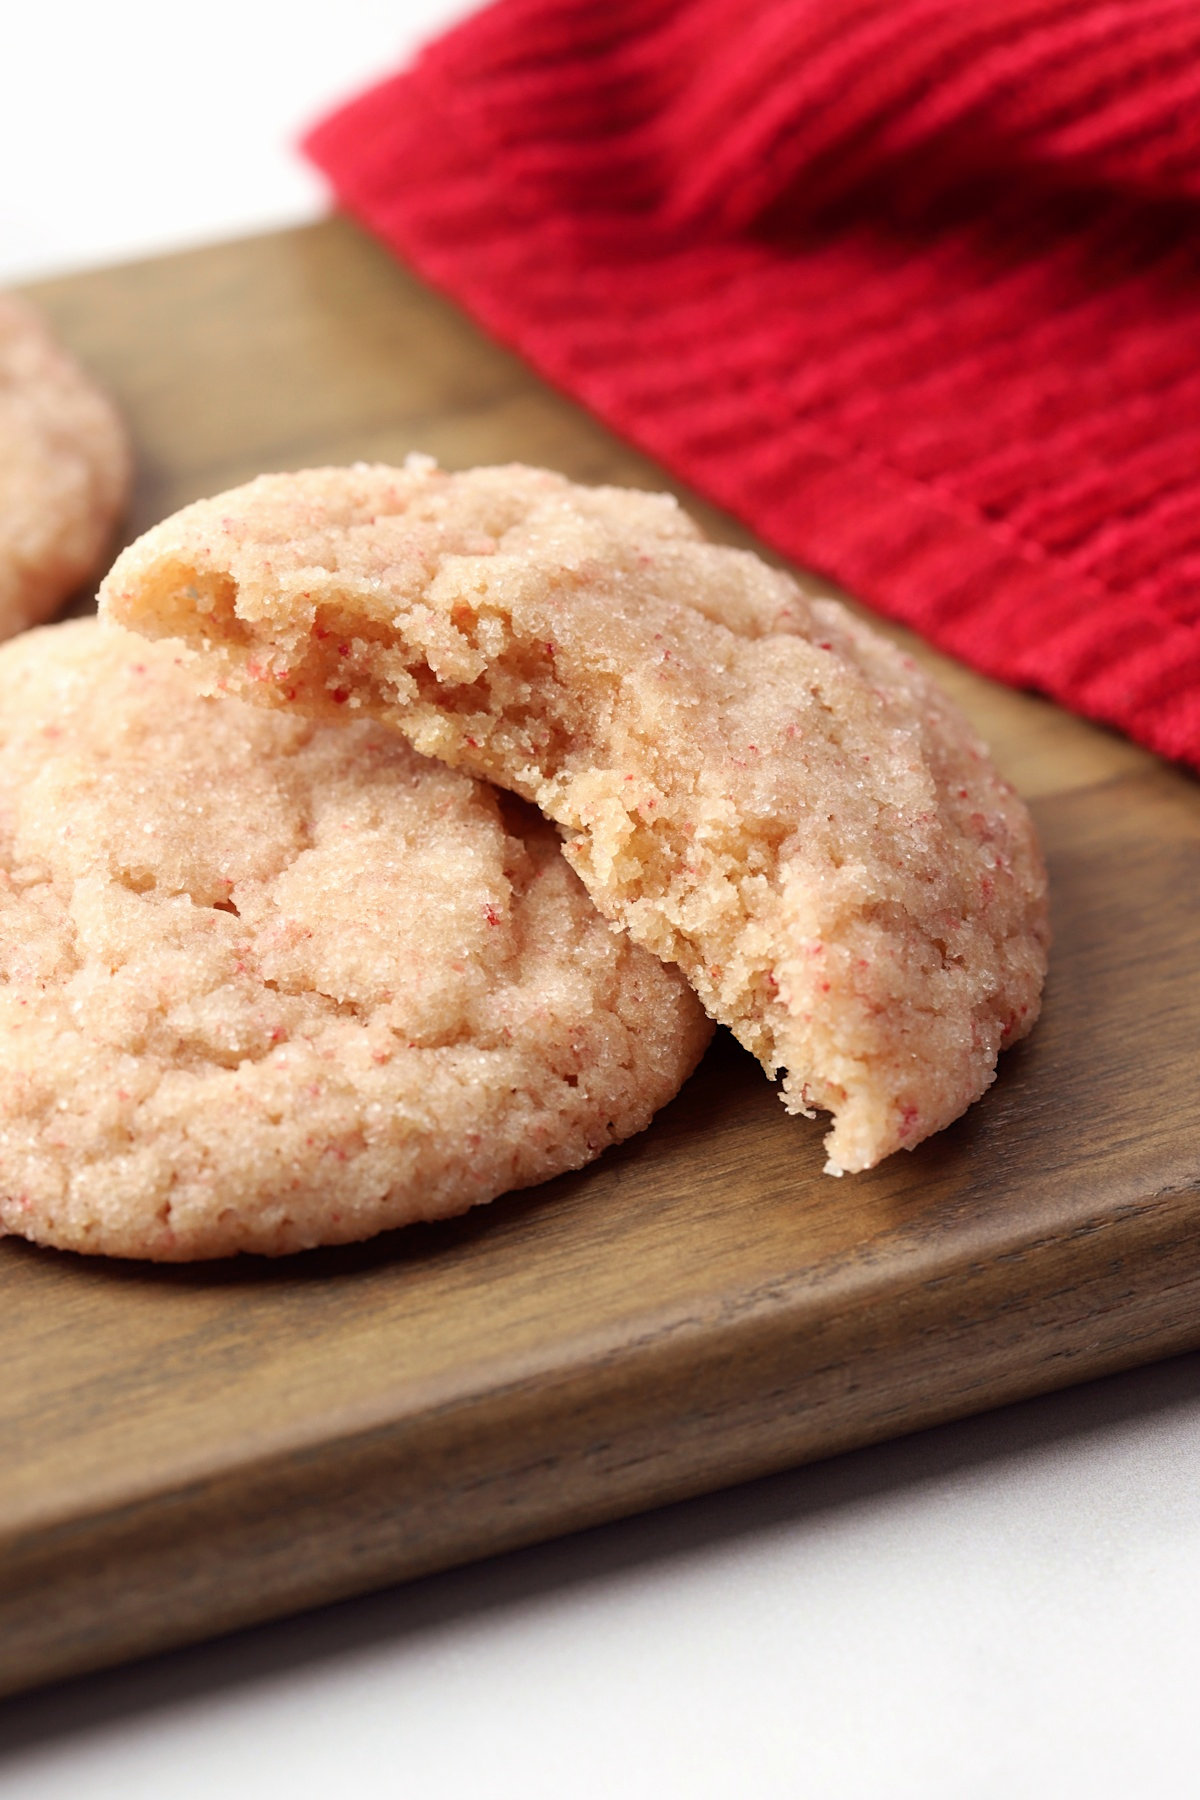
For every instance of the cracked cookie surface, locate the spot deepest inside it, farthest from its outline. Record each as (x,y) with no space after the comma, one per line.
(758,787)
(64,470)
(266,983)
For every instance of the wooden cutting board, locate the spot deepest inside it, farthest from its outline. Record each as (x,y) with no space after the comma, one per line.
(187,1450)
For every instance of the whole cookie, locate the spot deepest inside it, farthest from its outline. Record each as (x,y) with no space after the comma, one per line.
(266,984)
(64,470)
(762,790)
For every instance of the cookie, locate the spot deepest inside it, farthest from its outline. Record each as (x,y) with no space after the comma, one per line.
(757,786)
(64,471)
(266,983)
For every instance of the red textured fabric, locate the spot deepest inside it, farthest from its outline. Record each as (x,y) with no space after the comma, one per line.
(911,286)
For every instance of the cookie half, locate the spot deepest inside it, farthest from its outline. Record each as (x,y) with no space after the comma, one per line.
(64,470)
(758,787)
(266,983)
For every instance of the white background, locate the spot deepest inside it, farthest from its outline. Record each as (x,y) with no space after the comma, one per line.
(996,1610)
(142,125)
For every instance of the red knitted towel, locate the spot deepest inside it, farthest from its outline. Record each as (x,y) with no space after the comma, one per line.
(911,286)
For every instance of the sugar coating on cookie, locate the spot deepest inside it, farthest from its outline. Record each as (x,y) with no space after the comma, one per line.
(64,470)
(266,983)
(755,785)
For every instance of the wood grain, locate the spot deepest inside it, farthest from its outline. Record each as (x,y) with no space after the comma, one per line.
(187,1450)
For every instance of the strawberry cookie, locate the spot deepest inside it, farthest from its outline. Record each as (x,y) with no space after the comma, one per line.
(267,983)
(64,471)
(756,786)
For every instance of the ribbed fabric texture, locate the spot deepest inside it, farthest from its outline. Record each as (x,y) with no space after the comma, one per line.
(911,286)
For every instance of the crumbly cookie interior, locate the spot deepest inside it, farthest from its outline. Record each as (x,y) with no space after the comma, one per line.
(752,783)
(266,983)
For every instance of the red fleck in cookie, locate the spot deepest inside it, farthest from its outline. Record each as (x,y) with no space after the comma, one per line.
(758,787)
(64,471)
(266,983)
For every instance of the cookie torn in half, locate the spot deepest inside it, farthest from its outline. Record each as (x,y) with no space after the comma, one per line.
(758,787)
(267,983)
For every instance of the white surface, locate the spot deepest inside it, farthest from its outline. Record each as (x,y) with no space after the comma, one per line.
(1006,1608)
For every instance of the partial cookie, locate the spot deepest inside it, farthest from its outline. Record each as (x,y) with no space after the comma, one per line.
(757,786)
(266,984)
(64,471)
